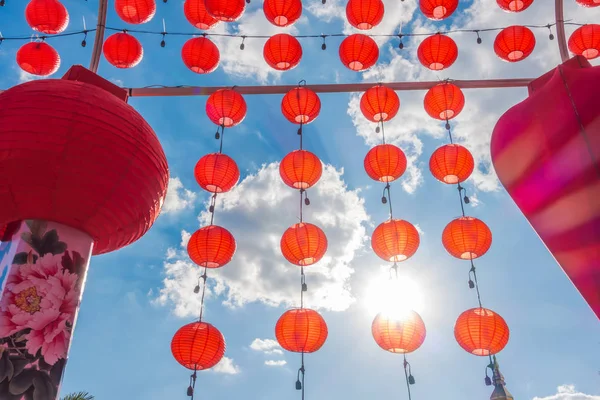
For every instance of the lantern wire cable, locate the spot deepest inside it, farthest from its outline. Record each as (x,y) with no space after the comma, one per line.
(406,366)
(221,137)
(382,132)
(204,276)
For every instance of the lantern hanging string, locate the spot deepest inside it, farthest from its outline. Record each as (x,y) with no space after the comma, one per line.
(406,375)
(203,276)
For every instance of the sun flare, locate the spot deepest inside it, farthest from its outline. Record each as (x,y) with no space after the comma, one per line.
(393,297)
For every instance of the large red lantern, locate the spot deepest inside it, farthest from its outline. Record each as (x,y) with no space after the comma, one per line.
(135,11)
(303,244)
(444,101)
(216,173)
(196,14)
(402,334)
(47,16)
(300,105)
(514,5)
(359,52)
(437,52)
(282,12)
(385,163)
(589,3)
(395,240)
(123,50)
(438,9)
(200,55)
(364,14)
(301,330)
(300,169)
(38,58)
(225,10)
(282,52)
(198,346)
(379,103)
(481,332)
(226,107)
(545,152)
(585,41)
(451,164)
(211,246)
(467,238)
(514,43)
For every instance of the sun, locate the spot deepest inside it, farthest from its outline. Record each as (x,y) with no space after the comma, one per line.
(394,297)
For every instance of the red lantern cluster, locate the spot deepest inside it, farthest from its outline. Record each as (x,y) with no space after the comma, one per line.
(514,43)
(282,52)
(444,101)
(123,50)
(135,11)
(585,41)
(359,52)
(438,9)
(514,5)
(282,12)
(200,55)
(437,52)
(225,10)
(38,58)
(195,12)
(364,14)
(47,16)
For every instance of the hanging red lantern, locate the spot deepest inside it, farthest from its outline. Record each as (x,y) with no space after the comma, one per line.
(444,101)
(588,3)
(359,52)
(438,9)
(379,103)
(38,58)
(226,107)
(364,14)
(216,173)
(47,16)
(585,41)
(451,164)
(301,330)
(403,334)
(282,12)
(211,247)
(282,52)
(198,346)
(300,169)
(135,11)
(200,55)
(467,238)
(303,244)
(123,50)
(514,5)
(395,240)
(481,332)
(514,43)
(196,14)
(301,105)
(225,10)
(385,163)
(437,52)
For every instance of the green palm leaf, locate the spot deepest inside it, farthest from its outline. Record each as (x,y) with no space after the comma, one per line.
(78,396)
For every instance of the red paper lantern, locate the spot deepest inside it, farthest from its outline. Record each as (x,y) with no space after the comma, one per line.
(359,52)
(282,12)
(588,3)
(403,334)
(395,240)
(467,238)
(200,55)
(216,173)
(300,169)
(47,16)
(38,58)
(444,101)
(114,202)
(437,52)
(481,332)
(198,346)
(514,43)
(379,103)
(303,244)
(282,52)
(364,14)
(385,163)
(135,11)
(514,5)
(438,9)
(451,164)
(225,10)
(226,107)
(585,41)
(211,247)
(196,14)
(301,105)
(123,50)
(301,330)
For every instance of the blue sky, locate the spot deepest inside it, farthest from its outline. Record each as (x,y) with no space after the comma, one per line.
(139,296)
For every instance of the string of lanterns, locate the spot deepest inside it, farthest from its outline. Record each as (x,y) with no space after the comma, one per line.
(199,345)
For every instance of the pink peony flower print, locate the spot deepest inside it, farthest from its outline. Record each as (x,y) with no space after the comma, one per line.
(41,297)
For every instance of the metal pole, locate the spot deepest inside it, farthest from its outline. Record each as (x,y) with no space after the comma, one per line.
(99,37)
(560,30)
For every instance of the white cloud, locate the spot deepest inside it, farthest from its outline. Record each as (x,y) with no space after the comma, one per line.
(275,363)
(178,197)
(226,366)
(26,76)
(267,346)
(568,392)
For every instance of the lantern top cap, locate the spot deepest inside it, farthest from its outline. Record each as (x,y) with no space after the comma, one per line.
(81,74)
